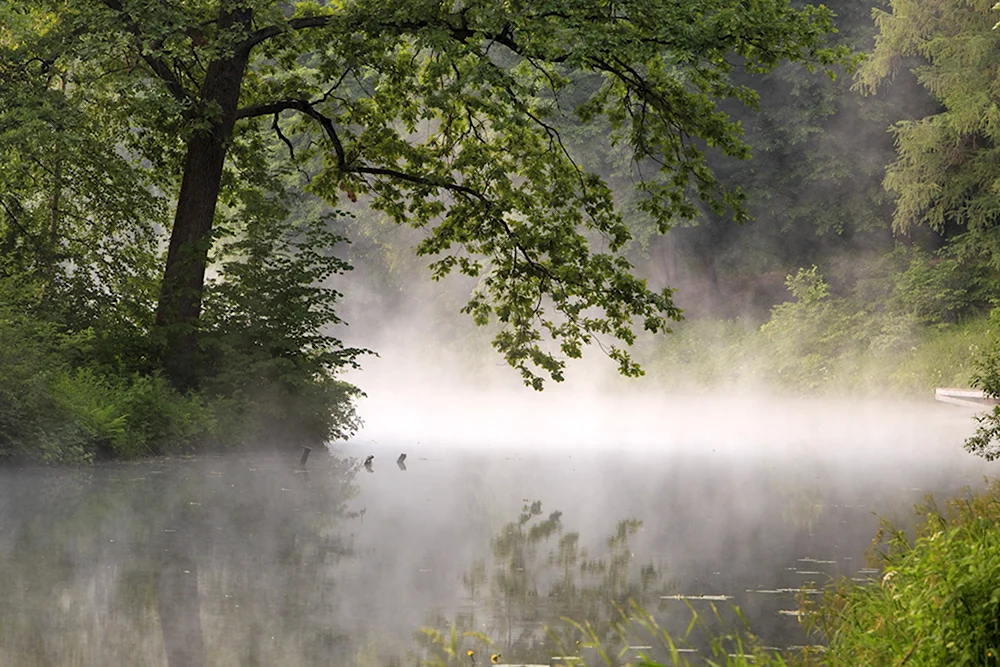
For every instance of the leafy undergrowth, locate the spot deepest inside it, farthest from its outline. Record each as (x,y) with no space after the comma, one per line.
(821,343)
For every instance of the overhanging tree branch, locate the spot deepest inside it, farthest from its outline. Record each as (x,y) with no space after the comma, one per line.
(306,107)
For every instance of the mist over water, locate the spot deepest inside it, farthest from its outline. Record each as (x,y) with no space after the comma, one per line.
(512,510)
(747,496)
(469,501)
(412,397)
(636,495)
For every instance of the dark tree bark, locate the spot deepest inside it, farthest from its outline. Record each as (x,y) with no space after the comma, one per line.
(179,304)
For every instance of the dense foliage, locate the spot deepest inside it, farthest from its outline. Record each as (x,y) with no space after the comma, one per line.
(171,176)
(944,174)
(447,116)
(116,116)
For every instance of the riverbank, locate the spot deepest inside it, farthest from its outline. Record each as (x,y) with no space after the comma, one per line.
(65,399)
(816,348)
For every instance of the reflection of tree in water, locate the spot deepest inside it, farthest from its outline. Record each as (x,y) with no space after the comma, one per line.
(207,562)
(540,574)
(803,507)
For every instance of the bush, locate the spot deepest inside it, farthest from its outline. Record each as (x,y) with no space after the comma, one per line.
(131,416)
(32,422)
(69,395)
(819,339)
(808,332)
(55,411)
(932,290)
(269,355)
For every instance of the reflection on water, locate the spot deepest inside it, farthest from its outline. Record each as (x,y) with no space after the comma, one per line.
(216,561)
(537,575)
(253,561)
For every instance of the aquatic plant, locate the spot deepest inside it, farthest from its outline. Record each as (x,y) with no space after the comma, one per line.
(637,640)
(938,600)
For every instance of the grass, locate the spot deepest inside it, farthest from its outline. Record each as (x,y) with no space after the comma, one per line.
(639,642)
(942,357)
(938,601)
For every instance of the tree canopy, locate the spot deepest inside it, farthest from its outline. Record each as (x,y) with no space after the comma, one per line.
(945,174)
(447,116)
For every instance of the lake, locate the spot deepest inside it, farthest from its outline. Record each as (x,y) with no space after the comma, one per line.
(505,517)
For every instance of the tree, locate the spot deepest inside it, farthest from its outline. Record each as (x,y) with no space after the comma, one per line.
(944,175)
(76,215)
(447,116)
(266,314)
(813,187)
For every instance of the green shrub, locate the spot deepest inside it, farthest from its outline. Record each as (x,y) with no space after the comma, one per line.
(933,290)
(131,416)
(163,419)
(56,411)
(90,402)
(30,363)
(702,354)
(814,334)
(68,394)
(269,353)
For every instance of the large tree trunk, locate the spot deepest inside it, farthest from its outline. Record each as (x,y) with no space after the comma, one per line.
(179,306)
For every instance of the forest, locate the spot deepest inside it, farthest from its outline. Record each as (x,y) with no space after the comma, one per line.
(771,194)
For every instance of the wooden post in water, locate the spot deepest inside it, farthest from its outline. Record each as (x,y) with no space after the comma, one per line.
(305,456)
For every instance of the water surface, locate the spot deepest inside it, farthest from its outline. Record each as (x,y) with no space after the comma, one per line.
(501,525)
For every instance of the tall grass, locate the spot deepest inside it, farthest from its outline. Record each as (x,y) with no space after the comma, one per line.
(639,641)
(938,601)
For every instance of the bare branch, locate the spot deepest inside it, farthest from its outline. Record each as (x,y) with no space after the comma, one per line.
(281,135)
